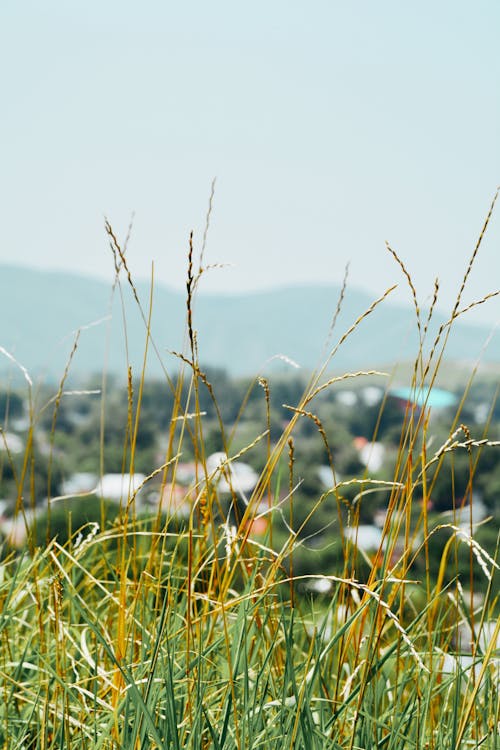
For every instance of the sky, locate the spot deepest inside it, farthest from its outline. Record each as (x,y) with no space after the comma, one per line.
(331,127)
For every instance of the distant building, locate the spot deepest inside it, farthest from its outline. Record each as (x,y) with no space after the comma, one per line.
(325,475)
(258,527)
(429,398)
(78,483)
(119,487)
(366,537)
(186,472)
(371,455)
(466,512)
(14,530)
(481,412)
(372,395)
(11,442)
(231,476)
(346,398)
(174,500)
(379,518)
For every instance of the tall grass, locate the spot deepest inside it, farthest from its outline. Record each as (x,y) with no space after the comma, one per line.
(140,634)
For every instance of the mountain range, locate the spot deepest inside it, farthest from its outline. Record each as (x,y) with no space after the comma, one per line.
(41,311)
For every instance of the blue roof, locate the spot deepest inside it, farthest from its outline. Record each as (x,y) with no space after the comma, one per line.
(437,397)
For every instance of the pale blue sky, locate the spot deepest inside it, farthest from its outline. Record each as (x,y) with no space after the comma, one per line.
(331,127)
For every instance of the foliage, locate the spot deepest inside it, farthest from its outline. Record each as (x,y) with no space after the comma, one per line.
(205,631)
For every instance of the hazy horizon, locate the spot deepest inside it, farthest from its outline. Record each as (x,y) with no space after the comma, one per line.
(142,283)
(330,128)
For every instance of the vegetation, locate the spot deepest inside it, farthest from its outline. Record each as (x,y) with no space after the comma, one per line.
(254,619)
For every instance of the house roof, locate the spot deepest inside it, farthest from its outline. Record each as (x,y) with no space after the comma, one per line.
(429,397)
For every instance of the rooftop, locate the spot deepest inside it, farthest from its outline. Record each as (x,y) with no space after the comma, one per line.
(429,397)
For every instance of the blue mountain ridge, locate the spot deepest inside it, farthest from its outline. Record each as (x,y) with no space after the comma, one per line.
(41,311)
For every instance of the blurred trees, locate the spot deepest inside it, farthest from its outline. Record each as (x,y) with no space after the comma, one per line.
(89,432)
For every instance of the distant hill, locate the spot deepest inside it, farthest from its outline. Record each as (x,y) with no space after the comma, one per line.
(41,310)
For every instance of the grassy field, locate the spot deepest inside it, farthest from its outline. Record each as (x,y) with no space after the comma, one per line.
(138,634)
